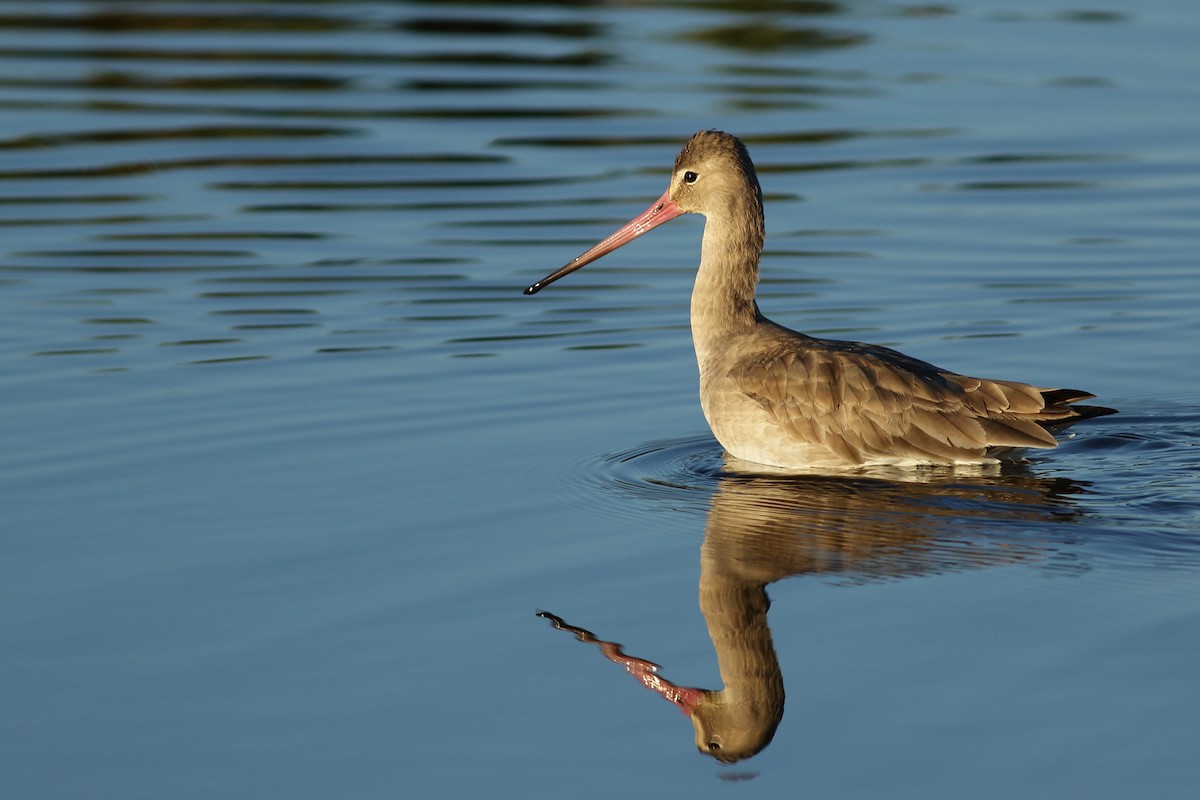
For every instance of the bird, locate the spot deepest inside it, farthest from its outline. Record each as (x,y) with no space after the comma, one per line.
(779,398)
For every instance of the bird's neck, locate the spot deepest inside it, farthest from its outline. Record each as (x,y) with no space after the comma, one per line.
(723,296)
(736,615)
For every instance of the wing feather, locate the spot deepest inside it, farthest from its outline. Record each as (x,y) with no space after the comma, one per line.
(864,402)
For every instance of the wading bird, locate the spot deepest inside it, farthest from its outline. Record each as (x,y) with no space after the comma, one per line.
(780,398)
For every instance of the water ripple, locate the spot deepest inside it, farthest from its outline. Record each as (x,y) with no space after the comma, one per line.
(1139,508)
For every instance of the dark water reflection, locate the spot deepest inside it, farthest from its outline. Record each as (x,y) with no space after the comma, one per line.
(763,529)
(162,149)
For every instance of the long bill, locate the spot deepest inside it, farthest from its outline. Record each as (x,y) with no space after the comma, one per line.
(662,210)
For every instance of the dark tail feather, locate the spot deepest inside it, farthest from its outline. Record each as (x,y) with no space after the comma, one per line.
(1087,412)
(1064,396)
(1063,399)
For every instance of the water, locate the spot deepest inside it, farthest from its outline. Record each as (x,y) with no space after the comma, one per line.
(290,463)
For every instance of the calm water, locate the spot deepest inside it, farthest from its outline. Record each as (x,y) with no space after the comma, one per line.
(290,463)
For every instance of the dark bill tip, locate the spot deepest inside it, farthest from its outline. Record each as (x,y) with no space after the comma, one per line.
(664,209)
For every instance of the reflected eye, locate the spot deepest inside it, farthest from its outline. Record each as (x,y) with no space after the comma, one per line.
(690,177)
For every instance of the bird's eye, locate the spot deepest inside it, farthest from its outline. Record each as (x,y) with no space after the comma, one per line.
(714,746)
(690,177)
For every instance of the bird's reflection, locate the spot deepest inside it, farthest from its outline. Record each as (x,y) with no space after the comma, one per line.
(761,529)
